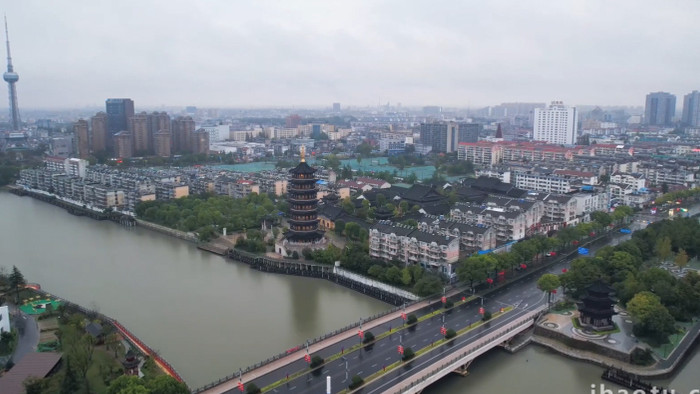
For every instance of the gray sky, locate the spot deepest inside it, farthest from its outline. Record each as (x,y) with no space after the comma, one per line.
(233,53)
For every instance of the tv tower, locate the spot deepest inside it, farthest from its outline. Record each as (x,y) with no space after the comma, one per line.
(11,77)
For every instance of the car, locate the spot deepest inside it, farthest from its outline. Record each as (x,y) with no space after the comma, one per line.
(551,254)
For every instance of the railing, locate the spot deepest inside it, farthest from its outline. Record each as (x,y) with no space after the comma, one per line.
(169,369)
(458,360)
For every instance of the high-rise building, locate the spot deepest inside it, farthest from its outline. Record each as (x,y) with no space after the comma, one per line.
(660,109)
(200,141)
(336,107)
(98,125)
(119,111)
(11,77)
(441,136)
(556,124)
(691,109)
(292,121)
(123,147)
(141,133)
(80,130)
(469,132)
(182,129)
(162,143)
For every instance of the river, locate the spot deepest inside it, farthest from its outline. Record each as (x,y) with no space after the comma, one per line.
(208,316)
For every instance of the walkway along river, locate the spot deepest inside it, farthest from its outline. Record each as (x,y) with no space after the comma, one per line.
(208,316)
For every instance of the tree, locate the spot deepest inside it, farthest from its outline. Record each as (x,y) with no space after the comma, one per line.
(475,268)
(602,218)
(123,383)
(411,319)
(427,285)
(347,205)
(165,384)
(252,389)
(408,354)
(16,281)
(69,384)
(339,227)
(651,318)
(369,337)
(681,259)
(663,248)
(548,283)
(406,278)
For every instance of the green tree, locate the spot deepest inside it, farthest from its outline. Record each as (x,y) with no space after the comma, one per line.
(69,384)
(651,318)
(252,389)
(393,275)
(663,248)
(17,281)
(475,269)
(602,218)
(681,259)
(165,384)
(548,283)
(124,383)
(427,285)
(406,278)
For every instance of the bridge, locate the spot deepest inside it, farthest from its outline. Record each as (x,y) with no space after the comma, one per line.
(515,305)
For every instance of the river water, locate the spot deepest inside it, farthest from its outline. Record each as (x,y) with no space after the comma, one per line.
(209,316)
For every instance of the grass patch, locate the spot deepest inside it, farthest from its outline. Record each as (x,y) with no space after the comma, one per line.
(664,350)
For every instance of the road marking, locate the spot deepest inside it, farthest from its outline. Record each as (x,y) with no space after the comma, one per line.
(388,358)
(292,388)
(373,365)
(382,344)
(359,373)
(354,357)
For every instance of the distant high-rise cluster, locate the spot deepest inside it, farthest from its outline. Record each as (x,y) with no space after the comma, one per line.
(446,136)
(11,77)
(660,109)
(121,131)
(691,109)
(556,124)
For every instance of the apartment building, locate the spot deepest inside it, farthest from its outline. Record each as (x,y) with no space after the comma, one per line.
(412,246)
(472,238)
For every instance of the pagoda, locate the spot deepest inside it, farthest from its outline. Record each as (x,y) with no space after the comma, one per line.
(303,209)
(597,307)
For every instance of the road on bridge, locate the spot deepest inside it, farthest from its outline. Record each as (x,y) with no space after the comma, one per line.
(522,296)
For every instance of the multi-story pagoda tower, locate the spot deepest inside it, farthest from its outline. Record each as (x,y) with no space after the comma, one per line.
(597,307)
(303,205)
(11,77)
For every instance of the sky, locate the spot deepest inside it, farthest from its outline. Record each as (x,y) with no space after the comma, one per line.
(296,53)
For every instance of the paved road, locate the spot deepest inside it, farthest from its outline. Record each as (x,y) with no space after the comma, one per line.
(522,295)
(29,335)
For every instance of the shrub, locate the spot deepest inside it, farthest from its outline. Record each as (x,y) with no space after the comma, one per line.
(412,319)
(642,356)
(408,354)
(356,382)
(449,304)
(487,316)
(307,253)
(369,337)
(252,389)
(295,255)
(450,334)
(316,361)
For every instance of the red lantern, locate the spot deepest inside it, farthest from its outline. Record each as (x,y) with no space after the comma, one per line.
(523,266)
(444,299)
(554,291)
(464,299)
(361,334)
(592,234)
(240,386)
(400,349)
(489,281)
(443,330)
(564,270)
(502,273)
(307,358)
(482,310)
(574,242)
(403,316)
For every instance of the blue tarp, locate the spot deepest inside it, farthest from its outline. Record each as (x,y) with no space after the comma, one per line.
(582,251)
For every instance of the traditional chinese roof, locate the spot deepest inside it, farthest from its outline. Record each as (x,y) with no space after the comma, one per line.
(302,168)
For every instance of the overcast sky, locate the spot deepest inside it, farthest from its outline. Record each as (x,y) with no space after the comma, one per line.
(237,53)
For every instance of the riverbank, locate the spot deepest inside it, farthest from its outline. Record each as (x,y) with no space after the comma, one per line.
(115,326)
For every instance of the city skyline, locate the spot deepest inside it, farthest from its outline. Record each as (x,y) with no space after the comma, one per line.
(313,54)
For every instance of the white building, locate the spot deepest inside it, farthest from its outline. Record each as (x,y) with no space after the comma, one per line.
(217,133)
(557,124)
(4,319)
